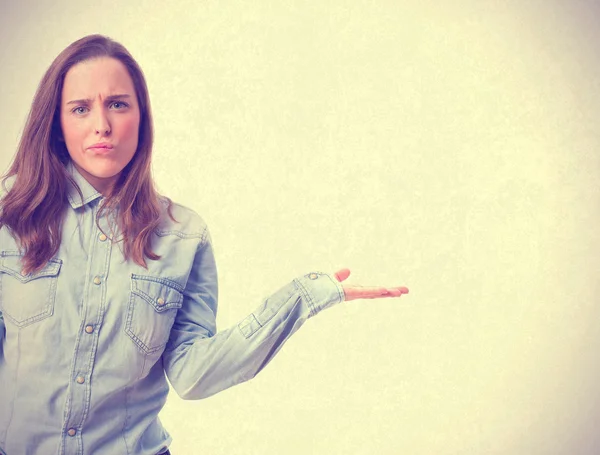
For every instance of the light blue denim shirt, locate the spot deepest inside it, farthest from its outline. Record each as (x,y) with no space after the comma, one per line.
(87,344)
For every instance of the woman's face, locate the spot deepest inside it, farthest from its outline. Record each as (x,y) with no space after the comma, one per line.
(99,105)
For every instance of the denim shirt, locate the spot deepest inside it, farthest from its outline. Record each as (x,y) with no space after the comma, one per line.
(87,343)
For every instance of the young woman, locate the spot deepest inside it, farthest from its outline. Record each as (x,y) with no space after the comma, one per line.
(108,288)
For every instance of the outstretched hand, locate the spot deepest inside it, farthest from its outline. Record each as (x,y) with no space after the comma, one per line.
(367,292)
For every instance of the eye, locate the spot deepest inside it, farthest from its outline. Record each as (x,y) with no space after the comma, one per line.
(78,111)
(123,105)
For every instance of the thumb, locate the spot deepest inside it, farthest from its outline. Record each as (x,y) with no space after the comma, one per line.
(342,274)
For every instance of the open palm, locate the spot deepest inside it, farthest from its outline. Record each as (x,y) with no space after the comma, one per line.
(367,292)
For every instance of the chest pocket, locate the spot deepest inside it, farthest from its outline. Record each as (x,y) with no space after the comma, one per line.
(153,304)
(26,299)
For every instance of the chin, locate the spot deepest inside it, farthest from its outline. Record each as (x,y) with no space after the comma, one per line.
(107,174)
(102,172)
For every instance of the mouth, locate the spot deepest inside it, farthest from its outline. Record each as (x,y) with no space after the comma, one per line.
(101,149)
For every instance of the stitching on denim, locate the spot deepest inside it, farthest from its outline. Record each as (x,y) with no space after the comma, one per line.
(79,441)
(167,282)
(337,288)
(204,235)
(250,319)
(267,340)
(128,330)
(80,203)
(48,311)
(98,318)
(128,323)
(51,275)
(67,410)
(276,309)
(194,235)
(88,373)
(305,293)
(179,234)
(158,308)
(47,271)
(74,367)
(140,344)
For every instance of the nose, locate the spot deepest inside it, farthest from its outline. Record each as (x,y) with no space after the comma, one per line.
(102,123)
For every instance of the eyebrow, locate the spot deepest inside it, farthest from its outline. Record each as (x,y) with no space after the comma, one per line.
(89,100)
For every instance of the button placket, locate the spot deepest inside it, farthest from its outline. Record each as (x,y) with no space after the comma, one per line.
(86,349)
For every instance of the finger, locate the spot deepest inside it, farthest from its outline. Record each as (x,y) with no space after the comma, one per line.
(355,292)
(397,291)
(342,274)
(360,292)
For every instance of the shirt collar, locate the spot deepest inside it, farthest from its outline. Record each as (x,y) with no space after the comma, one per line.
(89,192)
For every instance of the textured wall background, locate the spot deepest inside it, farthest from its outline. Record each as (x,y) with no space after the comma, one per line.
(451,147)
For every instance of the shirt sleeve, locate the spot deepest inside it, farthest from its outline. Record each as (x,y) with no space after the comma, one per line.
(200,362)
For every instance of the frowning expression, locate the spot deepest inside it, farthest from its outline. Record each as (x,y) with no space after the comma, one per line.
(99,107)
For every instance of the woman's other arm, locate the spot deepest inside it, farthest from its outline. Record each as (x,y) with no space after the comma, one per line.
(200,362)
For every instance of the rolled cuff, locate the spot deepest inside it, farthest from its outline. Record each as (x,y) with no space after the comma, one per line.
(321,290)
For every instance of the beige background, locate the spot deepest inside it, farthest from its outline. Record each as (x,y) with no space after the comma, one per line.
(451,147)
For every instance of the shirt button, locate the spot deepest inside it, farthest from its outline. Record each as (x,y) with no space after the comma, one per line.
(97,280)
(72,432)
(89,328)
(160,301)
(80,379)
(102,237)
(313,276)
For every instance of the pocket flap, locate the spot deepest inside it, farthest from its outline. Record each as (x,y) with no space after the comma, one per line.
(161,293)
(10,263)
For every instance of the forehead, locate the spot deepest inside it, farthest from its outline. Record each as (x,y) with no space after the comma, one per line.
(101,76)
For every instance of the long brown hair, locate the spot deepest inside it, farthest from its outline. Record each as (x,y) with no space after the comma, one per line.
(34,207)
